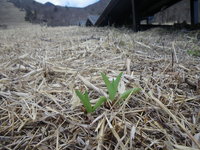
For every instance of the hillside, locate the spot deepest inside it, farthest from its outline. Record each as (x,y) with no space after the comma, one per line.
(56,15)
(10,16)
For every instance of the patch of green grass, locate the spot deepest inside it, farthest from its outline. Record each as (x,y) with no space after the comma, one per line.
(194,53)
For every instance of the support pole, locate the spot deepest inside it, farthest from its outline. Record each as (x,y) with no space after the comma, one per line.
(194,9)
(199,11)
(135,14)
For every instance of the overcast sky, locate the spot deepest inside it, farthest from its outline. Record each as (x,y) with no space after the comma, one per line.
(71,3)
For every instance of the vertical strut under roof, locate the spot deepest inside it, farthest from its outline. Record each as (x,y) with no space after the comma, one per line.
(194,8)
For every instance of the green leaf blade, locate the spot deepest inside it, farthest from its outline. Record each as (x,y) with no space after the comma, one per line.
(110,87)
(128,92)
(116,82)
(99,103)
(106,80)
(85,100)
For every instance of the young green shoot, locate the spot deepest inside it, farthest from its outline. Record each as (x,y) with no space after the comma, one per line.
(86,101)
(112,86)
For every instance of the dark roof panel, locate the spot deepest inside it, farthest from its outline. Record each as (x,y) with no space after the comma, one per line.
(119,12)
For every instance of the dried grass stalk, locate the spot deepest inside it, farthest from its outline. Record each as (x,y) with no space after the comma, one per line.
(38,74)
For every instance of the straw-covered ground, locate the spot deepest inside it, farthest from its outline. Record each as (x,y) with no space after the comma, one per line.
(41,67)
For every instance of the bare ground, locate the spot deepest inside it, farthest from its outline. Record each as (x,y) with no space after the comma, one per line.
(41,67)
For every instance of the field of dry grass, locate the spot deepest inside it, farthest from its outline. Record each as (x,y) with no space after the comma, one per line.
(41,67)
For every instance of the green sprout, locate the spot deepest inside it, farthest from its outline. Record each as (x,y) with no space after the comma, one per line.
(86,101)
(112,87)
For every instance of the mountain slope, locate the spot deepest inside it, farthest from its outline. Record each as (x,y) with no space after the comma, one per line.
(10,15)
(56,15)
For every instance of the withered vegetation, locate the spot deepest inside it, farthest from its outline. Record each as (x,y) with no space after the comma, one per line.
(41,67)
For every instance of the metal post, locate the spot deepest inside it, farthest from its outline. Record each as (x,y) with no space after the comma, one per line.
(148,21)
(135,14)
(199,11)
(194,9)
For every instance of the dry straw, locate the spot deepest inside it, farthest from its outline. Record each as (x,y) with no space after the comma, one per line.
(40,68)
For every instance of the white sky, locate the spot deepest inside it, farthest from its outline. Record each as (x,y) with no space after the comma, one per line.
(71,3)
